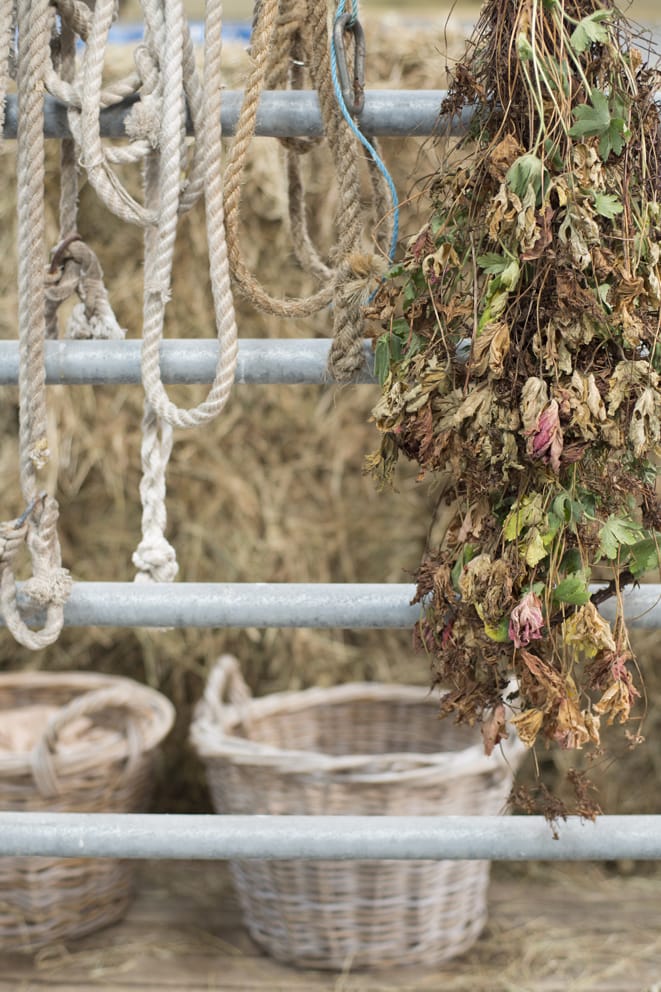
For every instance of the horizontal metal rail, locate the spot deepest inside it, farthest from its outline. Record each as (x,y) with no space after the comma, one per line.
(194,360)
(322,838)
(283,114)
(282,604)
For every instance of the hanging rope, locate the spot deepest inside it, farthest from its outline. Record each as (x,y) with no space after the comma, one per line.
(177,174)
(49,585)
(175,177)
(287,42)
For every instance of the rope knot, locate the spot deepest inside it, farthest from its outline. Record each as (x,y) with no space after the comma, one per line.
(155,560)
(75,268)
(144,120)
(49,588)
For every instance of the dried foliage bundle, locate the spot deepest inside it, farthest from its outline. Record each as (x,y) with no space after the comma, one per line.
(520,369)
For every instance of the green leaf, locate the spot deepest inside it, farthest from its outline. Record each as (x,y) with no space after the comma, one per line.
(525,171)
(644,555)
(533,549)
(571,561)
(573,590)
(616,532)
(592,118)
(571,511)
(526,513)
(499,633)
(495,308)
(553,525)
(492,262)
(382,359)
(400,329)
(607,205)
(614,139)
(466,555)
(510,275)
(410,292)
(590,31)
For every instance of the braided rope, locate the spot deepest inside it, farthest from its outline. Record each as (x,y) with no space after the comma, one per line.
(49,585)
(262,44)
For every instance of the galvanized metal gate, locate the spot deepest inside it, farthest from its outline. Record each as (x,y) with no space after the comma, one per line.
(263,362)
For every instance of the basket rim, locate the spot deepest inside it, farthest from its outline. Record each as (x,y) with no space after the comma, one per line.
(213,741)
(157,716)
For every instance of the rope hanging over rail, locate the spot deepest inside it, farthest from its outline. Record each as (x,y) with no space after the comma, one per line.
(290,47)
(39,41)
(36,529)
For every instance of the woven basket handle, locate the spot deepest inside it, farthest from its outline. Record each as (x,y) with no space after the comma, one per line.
(88,704)
(226,685)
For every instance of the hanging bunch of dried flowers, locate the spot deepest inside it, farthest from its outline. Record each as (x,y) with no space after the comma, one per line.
(519,359)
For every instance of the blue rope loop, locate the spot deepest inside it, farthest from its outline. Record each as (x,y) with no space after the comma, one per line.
(355,128)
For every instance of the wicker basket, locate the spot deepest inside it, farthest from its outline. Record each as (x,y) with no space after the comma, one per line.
(353,749)
(95,754)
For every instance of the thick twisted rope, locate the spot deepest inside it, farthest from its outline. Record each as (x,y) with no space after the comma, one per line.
(177,174)
(49,585)
(262,41)
(7,26)
(167,196)
(284,40)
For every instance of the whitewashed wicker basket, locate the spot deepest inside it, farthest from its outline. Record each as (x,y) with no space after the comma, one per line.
(354,749)
(94,753)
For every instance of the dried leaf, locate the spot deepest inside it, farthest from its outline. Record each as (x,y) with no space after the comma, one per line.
(587,632)
(494,728)
(528,725)
(645,429)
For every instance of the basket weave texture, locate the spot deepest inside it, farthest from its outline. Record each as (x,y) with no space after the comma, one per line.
(363,749)
(86,743)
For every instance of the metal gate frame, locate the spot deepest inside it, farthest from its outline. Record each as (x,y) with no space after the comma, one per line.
(261,362)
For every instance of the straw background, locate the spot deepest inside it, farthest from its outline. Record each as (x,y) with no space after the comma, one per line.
(273,491)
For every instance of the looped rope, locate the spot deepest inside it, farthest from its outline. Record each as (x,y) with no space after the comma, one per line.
(50,584)
(177,174)
(74,268)
(290,42)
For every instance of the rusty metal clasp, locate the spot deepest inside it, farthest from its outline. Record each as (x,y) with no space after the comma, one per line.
(353,91)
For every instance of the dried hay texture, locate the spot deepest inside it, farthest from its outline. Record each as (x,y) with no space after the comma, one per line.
(274,490)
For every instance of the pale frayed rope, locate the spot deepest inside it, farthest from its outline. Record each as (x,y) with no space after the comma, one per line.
(49,586)
(177,174)
(76,269)
(163,190)
(154,558)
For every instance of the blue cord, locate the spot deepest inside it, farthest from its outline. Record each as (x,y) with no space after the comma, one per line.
(361,137)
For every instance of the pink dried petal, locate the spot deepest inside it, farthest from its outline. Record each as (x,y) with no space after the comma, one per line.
(546,441)
(526,621)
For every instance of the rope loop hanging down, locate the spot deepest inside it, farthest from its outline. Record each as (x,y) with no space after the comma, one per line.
(25,36)
(290,43)
(42,39)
